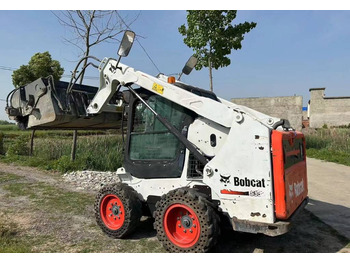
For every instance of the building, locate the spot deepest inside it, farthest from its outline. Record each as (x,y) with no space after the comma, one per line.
(321,111)
(285,107)
(327,111)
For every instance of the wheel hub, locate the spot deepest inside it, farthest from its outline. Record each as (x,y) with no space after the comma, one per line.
(115,210)
(186,222)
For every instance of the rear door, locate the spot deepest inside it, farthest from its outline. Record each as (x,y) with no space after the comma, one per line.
(289,171)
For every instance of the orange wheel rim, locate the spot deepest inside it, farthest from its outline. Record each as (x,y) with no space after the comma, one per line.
(112,212)
(181,225)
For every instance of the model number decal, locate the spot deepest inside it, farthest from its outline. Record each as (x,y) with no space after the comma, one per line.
(158,88)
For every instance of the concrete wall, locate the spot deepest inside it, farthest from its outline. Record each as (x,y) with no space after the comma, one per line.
(332,111)
(286,107)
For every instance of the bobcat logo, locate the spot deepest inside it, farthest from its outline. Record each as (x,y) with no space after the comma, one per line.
(225,179)
(291,191)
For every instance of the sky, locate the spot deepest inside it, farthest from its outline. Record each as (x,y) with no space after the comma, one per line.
(289,51)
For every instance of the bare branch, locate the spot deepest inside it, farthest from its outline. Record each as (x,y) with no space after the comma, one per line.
(92,27)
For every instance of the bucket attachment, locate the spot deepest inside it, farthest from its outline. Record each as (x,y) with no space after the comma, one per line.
(44,104)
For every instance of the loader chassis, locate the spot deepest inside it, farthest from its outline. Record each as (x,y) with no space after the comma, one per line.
(247,195)
(191,159)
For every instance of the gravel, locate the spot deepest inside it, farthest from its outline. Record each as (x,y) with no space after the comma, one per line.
(91,180)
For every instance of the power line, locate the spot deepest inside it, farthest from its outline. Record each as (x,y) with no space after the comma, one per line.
(85,77)
(149,57)
(7,68)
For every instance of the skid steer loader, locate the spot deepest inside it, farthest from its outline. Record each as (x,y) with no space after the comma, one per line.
(192,160)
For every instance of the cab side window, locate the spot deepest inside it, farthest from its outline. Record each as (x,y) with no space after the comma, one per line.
(149,138)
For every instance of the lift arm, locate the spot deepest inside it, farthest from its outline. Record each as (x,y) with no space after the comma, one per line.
(114,75)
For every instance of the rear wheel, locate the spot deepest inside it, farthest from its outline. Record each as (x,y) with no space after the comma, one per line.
(186,221)
(118,210)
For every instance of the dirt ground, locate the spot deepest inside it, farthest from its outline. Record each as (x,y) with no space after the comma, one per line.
(47,215)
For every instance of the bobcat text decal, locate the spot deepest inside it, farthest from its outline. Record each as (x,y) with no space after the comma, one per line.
(298,189)
(249,182)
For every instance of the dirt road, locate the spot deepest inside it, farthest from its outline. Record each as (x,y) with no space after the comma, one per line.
(329,192)
(40,213)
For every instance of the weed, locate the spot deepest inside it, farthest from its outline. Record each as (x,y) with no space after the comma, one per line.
(2,150)
(94,152)
(10,242)
(46,197)
(331,144)
(19,147)
(8,177)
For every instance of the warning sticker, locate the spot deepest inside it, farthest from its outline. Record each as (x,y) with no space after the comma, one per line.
(158,88)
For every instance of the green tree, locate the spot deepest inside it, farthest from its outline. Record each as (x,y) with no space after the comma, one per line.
(212,36)
(40,65)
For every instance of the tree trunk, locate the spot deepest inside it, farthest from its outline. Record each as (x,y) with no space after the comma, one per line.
(210,75)
(74,145)
(31,143)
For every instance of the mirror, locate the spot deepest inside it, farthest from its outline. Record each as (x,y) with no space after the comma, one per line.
(191,63)
(126,43)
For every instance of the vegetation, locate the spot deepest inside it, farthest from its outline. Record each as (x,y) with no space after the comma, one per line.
(96,150)
(212,36)
(4,122)
(40,65)
(55,219)
(103,150)
(2,150)
(329,144)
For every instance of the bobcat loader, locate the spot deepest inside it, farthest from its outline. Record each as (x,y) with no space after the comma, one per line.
(192,160)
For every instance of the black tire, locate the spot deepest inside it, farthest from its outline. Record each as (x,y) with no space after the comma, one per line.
(118,210)
(186,221)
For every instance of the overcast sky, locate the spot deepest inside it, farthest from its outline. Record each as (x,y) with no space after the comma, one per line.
(288,52)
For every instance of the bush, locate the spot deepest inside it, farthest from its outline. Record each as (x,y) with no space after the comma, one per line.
(94,152)
(2,150)
(331,144)
(65,164)
(19,146)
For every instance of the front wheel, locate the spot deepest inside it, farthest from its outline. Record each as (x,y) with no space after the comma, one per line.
(118,210)
(186,221)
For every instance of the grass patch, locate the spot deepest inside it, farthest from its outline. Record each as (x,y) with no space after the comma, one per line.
(8,177)
(330,155)
(94,152)
(10,241)
(329,144)
(47,197)
(14,240)
(143,246)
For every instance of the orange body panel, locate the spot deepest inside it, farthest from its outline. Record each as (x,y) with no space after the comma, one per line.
(289,171)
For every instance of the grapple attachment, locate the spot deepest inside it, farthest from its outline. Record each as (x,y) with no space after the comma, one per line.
(45,104)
